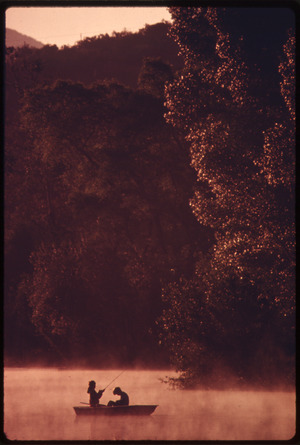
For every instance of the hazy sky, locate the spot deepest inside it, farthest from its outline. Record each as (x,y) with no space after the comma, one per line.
(67,25)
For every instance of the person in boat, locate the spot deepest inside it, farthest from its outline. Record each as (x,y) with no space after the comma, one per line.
(94,395)
(123,401)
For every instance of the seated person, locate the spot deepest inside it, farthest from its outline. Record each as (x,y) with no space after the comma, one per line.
(123,401)
(94,395)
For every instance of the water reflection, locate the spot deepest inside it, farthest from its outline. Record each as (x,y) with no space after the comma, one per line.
(45,410)
(117,428)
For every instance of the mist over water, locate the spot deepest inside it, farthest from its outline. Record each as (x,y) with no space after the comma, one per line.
(38,405)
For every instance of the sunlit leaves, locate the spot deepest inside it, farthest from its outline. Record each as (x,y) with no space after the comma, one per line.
(287,70)
(278,160)
(226,132)
(243,150)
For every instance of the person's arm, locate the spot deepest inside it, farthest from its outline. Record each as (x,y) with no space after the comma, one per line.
(100,393)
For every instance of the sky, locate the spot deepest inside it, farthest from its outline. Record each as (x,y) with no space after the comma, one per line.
(66,25)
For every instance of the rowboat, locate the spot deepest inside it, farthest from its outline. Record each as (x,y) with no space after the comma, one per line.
(103,410)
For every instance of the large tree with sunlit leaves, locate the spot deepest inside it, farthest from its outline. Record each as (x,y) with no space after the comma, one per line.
(236,108)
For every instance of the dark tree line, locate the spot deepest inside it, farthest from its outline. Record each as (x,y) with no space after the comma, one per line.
(119,57)
(150,200)
(97,211)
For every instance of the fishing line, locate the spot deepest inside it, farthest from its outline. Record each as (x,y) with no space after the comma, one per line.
(113,380)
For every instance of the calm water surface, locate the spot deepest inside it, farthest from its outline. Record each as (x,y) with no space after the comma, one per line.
(38,405)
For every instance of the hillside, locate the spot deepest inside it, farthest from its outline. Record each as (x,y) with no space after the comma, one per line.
(16,39)
(119,57)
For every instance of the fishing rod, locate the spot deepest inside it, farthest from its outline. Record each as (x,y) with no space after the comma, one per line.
(86,403)
(113,380)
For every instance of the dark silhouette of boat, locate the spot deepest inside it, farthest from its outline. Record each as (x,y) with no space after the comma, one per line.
(103,410)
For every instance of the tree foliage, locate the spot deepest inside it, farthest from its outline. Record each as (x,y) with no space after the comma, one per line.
(104,197)
(116,216)
(243,151)
(154,75)
(89,226)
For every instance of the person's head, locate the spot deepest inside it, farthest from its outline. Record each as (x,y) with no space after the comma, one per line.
(92,384)
(117,390)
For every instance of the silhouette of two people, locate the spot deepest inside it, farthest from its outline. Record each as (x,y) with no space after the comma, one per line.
(96,396)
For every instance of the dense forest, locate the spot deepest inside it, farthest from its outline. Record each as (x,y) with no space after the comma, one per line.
(149,199)
(97,200)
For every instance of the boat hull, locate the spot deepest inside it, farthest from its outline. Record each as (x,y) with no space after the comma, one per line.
(103,410)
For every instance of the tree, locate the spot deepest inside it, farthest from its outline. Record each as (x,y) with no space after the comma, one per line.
(154,75)
(235,141)
(105,199)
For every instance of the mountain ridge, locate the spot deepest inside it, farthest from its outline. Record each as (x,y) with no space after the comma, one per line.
(16,39)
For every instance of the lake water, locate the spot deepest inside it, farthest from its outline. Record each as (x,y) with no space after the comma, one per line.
(38,405)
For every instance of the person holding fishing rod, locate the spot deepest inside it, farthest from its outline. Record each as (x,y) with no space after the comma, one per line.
(96,396)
